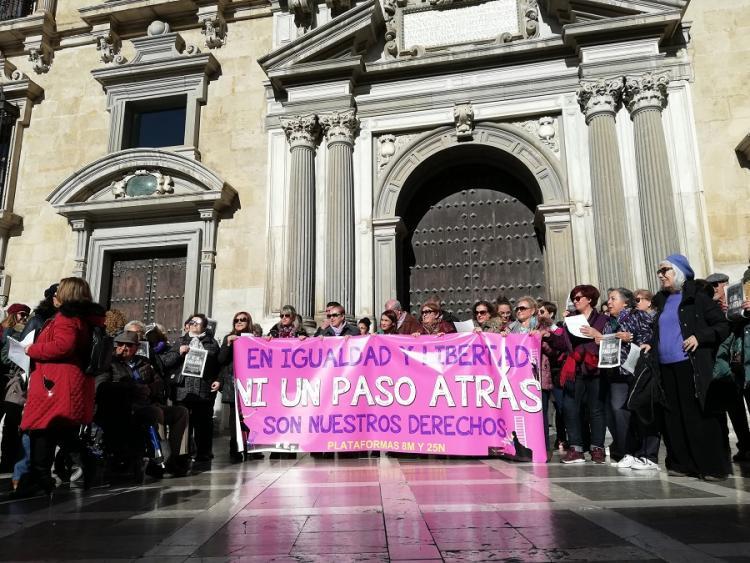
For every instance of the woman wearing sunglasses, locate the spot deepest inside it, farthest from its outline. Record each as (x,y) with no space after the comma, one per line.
(288,325)
(526,317)
(242,323)
(432,322)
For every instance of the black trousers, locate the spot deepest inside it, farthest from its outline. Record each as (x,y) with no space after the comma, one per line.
(738,416)
(11,450)
(201,427)
(43,444)
(696,440)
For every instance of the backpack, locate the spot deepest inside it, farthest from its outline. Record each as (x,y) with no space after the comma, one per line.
(100,353)
(646,394)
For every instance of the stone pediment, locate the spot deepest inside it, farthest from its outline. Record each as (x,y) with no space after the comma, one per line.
(141,183)
(382,39)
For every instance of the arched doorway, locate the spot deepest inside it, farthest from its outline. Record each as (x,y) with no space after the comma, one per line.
(469,218)
(507,162)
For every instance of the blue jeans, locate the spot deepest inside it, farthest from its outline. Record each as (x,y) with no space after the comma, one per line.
(593,393)
(22,467)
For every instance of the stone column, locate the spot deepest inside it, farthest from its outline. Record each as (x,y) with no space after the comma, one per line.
(82,230)
(387,234)
(646,97)
(339,129)
(599,100)
(299,291)
(210,222)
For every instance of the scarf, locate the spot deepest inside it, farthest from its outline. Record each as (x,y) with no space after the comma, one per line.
(287,331)
(576,358)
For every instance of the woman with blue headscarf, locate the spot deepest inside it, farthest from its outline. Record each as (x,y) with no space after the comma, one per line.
(689,326)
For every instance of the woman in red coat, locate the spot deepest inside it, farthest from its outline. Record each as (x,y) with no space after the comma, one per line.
(60,395)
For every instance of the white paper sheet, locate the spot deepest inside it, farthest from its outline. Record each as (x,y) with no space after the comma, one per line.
(632,359)
(17,351)
(575,323)
(464,326)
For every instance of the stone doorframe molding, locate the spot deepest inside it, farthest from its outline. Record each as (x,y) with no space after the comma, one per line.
(553,212)
(106,220)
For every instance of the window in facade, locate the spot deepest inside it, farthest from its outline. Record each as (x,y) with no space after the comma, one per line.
(155,123)
(8,115)
(14,9)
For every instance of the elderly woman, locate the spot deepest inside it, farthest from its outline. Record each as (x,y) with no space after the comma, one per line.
(388,322)
(482,313)
(526,316)
(635,446)
(688,328)
(643,300)
(287,327)
(432,321)
(580,377)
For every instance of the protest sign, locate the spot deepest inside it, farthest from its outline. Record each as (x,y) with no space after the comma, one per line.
(460,394)
(195,361)
(609,351)
(736,294)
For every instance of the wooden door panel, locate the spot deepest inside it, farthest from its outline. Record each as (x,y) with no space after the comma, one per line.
(475,244)
(131,286)
(169,293)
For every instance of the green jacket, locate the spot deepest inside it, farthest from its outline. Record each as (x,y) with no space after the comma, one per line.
(737,347)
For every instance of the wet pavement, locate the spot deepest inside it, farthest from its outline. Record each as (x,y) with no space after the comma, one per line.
(387,508)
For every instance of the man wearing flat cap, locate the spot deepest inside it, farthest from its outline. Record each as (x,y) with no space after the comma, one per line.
(131,390)
(719,282)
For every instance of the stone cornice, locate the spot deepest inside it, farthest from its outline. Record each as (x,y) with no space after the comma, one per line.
(662,25)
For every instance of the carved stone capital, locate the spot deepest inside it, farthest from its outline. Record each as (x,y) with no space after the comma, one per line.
(463,115)
(108,44)
(600,96)
(8,71)
(40,53)
(301,130)
(340,127)
(648,91)
(214,28)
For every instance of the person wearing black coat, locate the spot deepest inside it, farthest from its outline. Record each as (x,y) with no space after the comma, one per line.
(196,394)
(688,329)
(241,324)
(337,325)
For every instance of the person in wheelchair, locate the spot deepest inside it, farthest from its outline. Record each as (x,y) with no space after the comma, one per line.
(130,394)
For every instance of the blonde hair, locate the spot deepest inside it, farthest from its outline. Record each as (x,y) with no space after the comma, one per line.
(530,300)
(73,289)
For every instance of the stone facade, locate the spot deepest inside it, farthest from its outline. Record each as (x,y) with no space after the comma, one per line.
(315,117)
(722,118)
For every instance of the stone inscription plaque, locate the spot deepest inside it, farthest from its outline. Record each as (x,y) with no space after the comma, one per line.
(432,28)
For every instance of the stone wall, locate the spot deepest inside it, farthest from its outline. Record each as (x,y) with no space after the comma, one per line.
(70,128)
(719,51)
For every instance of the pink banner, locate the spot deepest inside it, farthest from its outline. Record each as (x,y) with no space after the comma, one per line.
(460,394)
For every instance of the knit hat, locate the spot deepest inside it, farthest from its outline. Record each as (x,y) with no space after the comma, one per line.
(50,291)
(18,308)
(682,263)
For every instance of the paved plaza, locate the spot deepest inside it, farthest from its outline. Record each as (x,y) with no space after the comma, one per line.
(387,508)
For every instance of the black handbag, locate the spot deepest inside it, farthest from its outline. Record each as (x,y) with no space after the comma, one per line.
(646,395)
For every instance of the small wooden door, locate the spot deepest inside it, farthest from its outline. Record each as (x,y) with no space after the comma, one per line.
(150,288)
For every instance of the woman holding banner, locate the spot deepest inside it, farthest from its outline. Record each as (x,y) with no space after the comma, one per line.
(432,321)
(388,322)
(287,326)
(241,324)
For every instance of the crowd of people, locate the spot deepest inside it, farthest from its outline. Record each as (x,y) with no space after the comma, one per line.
(101,386)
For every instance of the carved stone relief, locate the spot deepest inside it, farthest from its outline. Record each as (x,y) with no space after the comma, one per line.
(463,114)
(142,183)
(388,145)
(108,44)
(545,129)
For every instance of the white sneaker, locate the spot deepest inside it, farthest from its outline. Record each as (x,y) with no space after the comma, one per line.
(644,463)
(626,462)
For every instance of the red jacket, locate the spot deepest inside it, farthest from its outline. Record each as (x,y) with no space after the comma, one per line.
(59,392)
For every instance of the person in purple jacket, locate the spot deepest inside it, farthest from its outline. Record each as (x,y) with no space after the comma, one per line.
(689,327)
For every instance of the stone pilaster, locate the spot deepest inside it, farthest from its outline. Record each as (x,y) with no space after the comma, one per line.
(645,97)
(302,132)
(599,100)
(210,222)
(339,129)
(82,231)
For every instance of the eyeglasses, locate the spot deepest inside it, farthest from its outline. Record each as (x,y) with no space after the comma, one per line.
(663,271)
(542,312)
(522,308)
(242,320)
(125,345)
(285,316)
(22,315)
(639,299)
(428,312)
(481,312)
(577,298)
(333,315)
(194,323)
(715,284)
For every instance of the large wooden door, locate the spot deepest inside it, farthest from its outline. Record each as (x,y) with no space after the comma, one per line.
(475,244)
(150,288)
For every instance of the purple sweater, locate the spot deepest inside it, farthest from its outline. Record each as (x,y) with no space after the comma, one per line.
(670,334)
